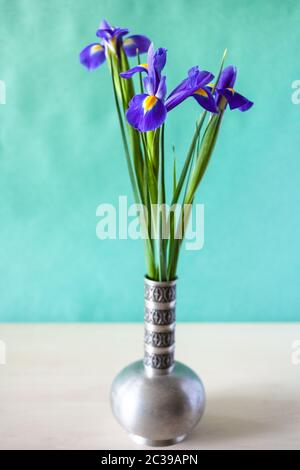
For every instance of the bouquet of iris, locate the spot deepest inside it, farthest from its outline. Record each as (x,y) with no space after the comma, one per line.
(159,400)
(142,118)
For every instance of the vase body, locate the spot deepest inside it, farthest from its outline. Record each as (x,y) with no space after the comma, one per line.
(158,400)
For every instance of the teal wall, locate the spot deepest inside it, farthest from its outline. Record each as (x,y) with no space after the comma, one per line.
(61,156)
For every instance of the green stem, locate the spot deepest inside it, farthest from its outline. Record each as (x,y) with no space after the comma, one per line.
(162,212)
(148,248)
(205,153)
(188,159)
(125,144)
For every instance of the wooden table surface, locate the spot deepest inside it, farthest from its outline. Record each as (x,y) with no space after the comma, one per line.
(54,387)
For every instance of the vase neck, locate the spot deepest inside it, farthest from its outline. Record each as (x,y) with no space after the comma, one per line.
(159,340)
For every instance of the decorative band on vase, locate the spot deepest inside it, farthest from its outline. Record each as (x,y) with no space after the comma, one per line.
(160,292)
(159,340)
(159,317)
(159,361)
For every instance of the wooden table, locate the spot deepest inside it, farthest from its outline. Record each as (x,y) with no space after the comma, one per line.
(54,387)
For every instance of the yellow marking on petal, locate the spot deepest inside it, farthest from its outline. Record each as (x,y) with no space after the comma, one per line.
(144,65)
(232,90)
(129,42)
(149,103)
(96,48)
(201,92)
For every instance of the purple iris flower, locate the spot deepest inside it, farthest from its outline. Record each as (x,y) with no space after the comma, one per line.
(148,111)
(197,86)
(226,89)
(95,54)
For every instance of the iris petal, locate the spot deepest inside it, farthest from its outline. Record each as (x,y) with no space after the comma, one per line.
(228,77)
(197,79)
(104,34)
(105,25)
(134,43)
(162,89)
(146,113)
(150,55)
(107,32)
(176,98)
(204,97)
(156,61)
(118,32)
(92,56)
(159,59)
(236,100)
(138,68)
(149,85)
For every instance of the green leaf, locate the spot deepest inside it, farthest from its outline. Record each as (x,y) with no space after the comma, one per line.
(174,171)
(140,74)
(149,252)
(195,174)
(203,158)
(188,159)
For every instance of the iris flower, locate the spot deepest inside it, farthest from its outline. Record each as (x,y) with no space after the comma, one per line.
(147,111)
(226,89)
(95,54)
(197,86)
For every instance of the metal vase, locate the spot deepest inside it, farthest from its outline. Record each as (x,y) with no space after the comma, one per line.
(158,400)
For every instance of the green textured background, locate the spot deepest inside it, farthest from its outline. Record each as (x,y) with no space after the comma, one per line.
(61,156)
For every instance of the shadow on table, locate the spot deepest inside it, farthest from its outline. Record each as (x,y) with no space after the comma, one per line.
(237,417)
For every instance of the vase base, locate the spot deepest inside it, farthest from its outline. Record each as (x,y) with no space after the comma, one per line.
(158,410)
(156,443)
